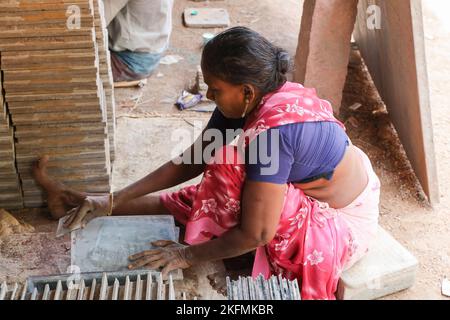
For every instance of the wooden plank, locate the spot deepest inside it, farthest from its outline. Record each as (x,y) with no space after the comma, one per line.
(42,87)
(57,141)
(35,18)
(10,198)
(7,166)
(81,94)
(41,60)
(48,83)
(39,195)
(24,132)
(395,56)
(43,149)
(57,117)
(19,3)
(92,178)
(22,6)
(61,154)
(323,49)
(9,184)
(87,73)
(71,90)
(60,108)
(7,155)
(11,32)
(47,43)
(84,173)
(74,166)
(7,176)
(65,102)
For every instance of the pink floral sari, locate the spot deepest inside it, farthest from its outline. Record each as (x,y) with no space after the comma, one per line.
(310,244)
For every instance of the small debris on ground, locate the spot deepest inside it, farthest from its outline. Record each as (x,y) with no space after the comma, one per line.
(201,88)
(170,59)
(188,100)
(129,84)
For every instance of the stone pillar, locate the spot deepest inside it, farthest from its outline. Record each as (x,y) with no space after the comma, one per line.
(324,47)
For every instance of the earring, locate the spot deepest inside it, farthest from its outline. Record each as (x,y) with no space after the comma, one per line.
(247,102)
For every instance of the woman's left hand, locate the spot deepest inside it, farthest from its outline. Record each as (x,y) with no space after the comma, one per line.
(169,256)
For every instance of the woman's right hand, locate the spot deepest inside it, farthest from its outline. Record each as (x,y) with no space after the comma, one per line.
(92,207)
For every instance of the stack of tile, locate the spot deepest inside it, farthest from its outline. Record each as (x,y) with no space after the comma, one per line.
(106,76)
(52,64)
(142,285)
(274,288)
(10,193)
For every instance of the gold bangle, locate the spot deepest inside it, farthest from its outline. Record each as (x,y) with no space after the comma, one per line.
(111,200)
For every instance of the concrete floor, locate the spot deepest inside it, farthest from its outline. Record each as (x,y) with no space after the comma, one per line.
(144,144)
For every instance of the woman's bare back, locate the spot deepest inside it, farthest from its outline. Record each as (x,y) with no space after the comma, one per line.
(348,182)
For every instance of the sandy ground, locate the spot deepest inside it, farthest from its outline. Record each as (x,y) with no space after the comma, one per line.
(147,117)
(426,232)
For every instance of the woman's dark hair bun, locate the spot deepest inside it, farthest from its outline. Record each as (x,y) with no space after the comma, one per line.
(283,62)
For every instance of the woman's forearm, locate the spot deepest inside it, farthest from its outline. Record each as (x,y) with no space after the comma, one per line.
(231,244)
(262,204)
(166,176)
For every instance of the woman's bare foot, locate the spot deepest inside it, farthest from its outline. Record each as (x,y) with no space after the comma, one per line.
(218,280)
(60,199)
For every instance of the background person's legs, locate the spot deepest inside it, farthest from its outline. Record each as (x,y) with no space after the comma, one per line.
(324,47)
(139,34)
(150,25)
